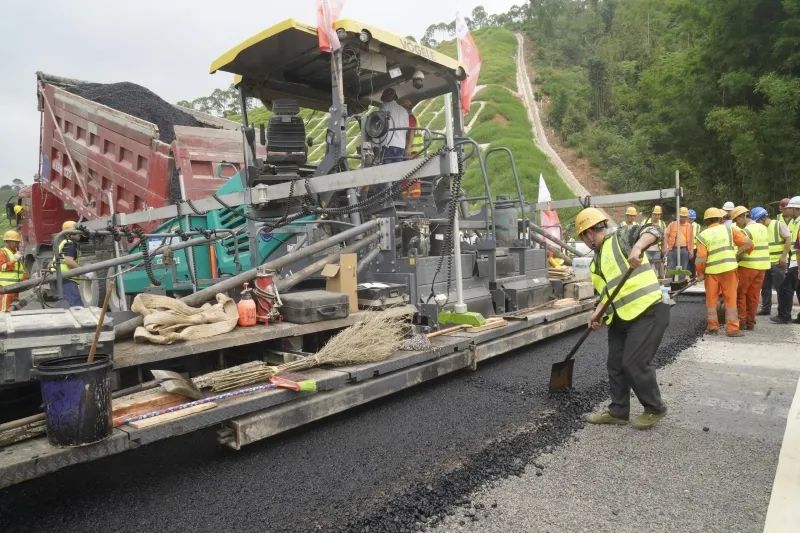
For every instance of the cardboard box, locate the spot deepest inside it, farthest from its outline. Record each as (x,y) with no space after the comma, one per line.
(580,290)
(342,278)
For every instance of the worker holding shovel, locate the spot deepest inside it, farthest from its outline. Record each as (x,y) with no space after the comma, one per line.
(636,316)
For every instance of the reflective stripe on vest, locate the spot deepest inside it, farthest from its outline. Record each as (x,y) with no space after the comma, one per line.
(8,277)
(718,240)
(758,259)
(640,291)
(776,242)
(696,229)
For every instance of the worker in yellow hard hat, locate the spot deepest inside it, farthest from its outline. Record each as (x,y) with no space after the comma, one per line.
(679,241)
(11,268)
(630,216)
(68,260)
(637,316)
(716,264)
(657,251)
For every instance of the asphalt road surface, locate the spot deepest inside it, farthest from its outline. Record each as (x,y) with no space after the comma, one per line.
(393,465)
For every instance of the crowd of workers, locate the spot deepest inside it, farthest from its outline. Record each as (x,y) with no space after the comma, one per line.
(13,269)
(741,255)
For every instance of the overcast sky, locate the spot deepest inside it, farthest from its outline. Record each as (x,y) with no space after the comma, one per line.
(165,45)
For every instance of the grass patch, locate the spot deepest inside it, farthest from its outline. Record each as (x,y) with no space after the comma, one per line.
(504,122)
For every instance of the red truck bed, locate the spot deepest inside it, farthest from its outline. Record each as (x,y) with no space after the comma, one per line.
(97,160)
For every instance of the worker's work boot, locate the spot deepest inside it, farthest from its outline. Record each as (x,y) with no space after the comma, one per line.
(737,333)
(764,312)
(712,331)
(647,420)
(749,327)
(605,418)
(779,320)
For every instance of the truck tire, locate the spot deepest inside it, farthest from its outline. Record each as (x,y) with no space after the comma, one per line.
(93,291)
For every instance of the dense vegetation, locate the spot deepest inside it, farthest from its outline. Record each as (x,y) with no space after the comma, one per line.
(645,87)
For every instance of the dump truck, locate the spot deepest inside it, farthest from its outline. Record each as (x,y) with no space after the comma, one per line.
(97,160)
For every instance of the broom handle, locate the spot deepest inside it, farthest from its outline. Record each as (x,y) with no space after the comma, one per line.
(602,310)
(99,328)
(445,331)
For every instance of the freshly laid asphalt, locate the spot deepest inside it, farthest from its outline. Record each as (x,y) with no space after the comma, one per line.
(393,465)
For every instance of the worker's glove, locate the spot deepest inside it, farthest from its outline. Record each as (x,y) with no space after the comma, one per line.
(16,257)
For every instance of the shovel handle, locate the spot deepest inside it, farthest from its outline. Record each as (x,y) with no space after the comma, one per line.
(602,310)
(100,321)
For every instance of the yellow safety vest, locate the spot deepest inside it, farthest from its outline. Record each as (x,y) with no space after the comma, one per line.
(696,229)
(794,229)
(15,275)
(660,224)
(758,259)
(776,242)
(640,291)
(718,240)
(62,265)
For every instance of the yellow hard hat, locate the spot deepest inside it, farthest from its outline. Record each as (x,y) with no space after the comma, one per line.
(11,235)
(738,210)
(69,224)
(631,211)
(587,218)
(684,212)
(18,209)
(657,210)
(713,212)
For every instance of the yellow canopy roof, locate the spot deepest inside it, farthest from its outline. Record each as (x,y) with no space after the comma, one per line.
(284,61)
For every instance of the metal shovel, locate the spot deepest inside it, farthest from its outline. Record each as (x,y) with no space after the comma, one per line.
(561,373)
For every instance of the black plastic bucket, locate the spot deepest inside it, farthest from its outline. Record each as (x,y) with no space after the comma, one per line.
(77,399)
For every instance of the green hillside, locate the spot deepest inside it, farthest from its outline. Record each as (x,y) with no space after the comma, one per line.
(5,193)
(504,122)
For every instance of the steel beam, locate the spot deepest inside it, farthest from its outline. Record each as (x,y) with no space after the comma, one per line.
(127,328)
(320,184)
(611,199)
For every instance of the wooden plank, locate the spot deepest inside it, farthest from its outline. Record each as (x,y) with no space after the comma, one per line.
(160,419)
(128,353)
(145,406)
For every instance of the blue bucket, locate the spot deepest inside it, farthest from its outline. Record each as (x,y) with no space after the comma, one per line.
(77,399)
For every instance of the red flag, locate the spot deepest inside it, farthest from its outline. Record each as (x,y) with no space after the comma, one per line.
(469,56)
(328,12)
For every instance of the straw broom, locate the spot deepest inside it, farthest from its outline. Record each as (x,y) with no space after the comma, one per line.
(370,340)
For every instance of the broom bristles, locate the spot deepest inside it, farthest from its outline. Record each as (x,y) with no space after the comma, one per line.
(370,340)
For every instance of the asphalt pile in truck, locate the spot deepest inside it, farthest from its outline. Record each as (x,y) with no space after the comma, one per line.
(138,101)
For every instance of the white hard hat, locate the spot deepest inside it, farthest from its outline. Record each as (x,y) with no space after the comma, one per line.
(728,206)
(794,202)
